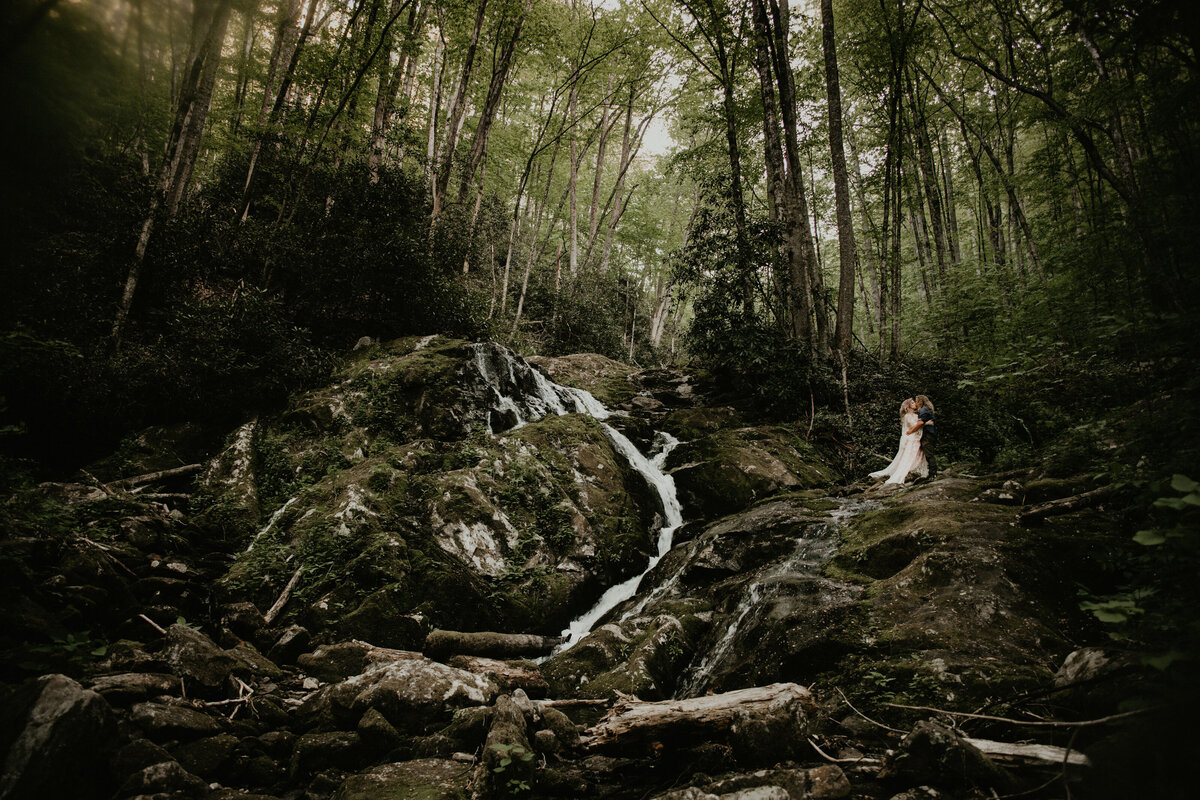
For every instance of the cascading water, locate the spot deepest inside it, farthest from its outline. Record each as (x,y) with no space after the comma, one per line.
(522,394)
(816,546)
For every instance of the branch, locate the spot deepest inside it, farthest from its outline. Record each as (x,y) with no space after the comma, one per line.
(270,616)
(1085,723)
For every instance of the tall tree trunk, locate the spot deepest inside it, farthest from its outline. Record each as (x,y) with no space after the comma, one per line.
(390,80)
(500,69)
(210,21)
(847,251)
(454,121)
(289,44)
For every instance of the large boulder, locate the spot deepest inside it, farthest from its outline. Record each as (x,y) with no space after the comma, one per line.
(427,778)
(731,468)
(409,693)
(389,492)
(57,739)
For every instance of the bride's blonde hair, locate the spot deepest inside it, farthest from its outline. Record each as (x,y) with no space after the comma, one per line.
(905,405)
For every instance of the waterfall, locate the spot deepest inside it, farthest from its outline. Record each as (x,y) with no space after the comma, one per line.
(816,546)
(521,394)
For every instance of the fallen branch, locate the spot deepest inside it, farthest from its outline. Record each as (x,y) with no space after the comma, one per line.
(151,477)
(573,703)
(1066,504)
(1012,754)
(864,716)
(1036,723)
(154,624)
(863,760)
(99,483)
(269,617)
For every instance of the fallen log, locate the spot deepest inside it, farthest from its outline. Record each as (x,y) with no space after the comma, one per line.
(1066,505)
(151,477)
(440,644)
(762,722)
(1024,755)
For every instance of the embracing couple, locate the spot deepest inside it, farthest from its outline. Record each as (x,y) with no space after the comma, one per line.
(918,443)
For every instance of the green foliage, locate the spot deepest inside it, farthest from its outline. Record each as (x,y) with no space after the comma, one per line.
(511,754)
(1153,612)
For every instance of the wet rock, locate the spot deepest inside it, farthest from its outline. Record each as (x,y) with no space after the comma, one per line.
(205,757)
(380,620)
(278,743)
(250,662)
(244,619)
(335,662)
(317,751)
(133,687)
(469,727)
(409,693)
(166,778)
(379,734)
(931,753)
(507,675)
(231,476)
(725,472)
(163,722)
(49,724)
(136,756)
(294,640)
(198,659)
(428,778)
(507,754)
(564,730)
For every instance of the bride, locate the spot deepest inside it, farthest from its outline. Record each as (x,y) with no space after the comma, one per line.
(909,458)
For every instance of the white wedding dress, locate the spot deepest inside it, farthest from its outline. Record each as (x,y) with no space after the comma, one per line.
(909,458)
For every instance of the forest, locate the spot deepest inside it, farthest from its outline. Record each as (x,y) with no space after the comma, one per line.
(715,216)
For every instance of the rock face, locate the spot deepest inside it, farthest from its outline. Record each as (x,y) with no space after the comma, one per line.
(61,739)
(398,541)
(391,492)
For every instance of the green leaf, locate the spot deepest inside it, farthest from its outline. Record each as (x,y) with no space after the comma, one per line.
(1184,484)
(1105,615)
(1173,503)
(1163,660)
(1192,499)
(1149,538)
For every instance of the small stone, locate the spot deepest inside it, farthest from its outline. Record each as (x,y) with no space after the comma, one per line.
(310,684)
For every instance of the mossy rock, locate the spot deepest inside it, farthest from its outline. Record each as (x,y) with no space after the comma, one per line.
(607,380)
(730,469)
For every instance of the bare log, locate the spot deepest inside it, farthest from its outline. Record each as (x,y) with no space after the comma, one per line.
(439,644)
(270,616)
(1066,504)
(151,477)
(1022,755)
(753,719)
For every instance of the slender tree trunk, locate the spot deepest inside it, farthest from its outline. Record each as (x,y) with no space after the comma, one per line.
(435,111)
(501,67)
(390,81)
(847,250)
(458,107)
(289,44)
(210,21)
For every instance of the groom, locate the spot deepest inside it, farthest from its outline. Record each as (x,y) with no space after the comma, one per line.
(928,433)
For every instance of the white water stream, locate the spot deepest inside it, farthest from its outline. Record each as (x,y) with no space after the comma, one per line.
(536,396)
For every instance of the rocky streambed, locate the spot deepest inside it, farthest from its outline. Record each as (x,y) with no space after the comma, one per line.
(365,595)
